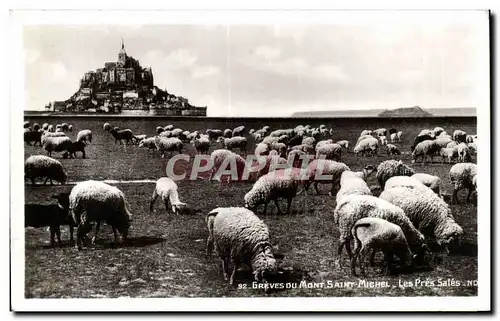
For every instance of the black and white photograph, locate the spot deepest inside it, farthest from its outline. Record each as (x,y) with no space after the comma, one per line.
(338,158)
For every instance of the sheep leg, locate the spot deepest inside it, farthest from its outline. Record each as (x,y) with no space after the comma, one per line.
(210,245)
(57,229)
(83,154)
(265,209)
(71,230)
(235,267)
(277,206)
(468,195)
(97,227)
(348,248)
(341,243)
(225,267)
(357,249)
(316,187)
(52,233)
(388,256)
(454,199)
(289,205)
(167,205)
(115,235)
(81,231)
(364,253)
(153,199)
(372,258)
(46,179)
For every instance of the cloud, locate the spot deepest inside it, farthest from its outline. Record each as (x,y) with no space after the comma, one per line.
(333,72)
(295,32)
(268,53)
(204,71)
(180,59)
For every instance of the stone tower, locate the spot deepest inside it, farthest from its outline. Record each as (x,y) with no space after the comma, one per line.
(122,56)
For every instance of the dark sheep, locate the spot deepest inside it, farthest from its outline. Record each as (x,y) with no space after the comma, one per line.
(75,147)
(33,136)
(51,215)
(392,131)
(420,139)
(124,134)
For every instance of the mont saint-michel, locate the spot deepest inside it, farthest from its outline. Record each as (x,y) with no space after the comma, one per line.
(124,87)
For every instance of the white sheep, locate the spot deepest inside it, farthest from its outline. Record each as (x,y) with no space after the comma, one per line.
(365,132)
(428,212)
(213,134)
(308,141)
(39,166)
(321,143)
(380,132)
(343,144)
(352,184)
(238,131)
(468,138)
(449,153)
(390,168)
(266,164)
(324,167)
(234,142)
(392,150)
(308,149)
(234,163)
(94,201)
(172,144)
(280,148)
(167,190)
(351,208)
(461,176)
(360,138)
(50,128)
(282,183)
(437,131)
(84,136)
(261,149)
(281,132)
(400,136)
(45,126)
(202,144)
(463,151)
(149,143)
(394,138)
(431,181)
(372,234)
(168,127)
(106,127)
(330,151)
(70,128)
(452,144)
(159,130)
(424,149)
(369,144)
(57,144)
(240,237)
(442,142)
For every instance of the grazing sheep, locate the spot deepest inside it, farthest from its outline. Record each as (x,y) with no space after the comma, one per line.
(437,131)
(228,133)
(218,156)
(449,153)
(394,138)
(213,134)
(330,151)
(76,147)
(296,140)
(70,128)
(94,201)
(352,208)
(139,138)
(431,181)
(308,141)
(168,127)
(266,164)
(50,128)
(33,136)
(64,127)
(352,184)
(202,144)
(419,139)
(442,142)
(375,234)
(84,136)
(452,144)
(383,140)
(369,145)
(427,211)
(194,135)
(167,189)
(390,168)
(324,167)
(234,142)
(365,133)
(57,144)
(124,134)
(280,148)
(282,183)
(461,176)
(172,144)
(26,124)
(159,130)
(240,237)
(238,131)
(51,215)
(424,149)
(106,127)
(362,137)
(343,143)
(392,150)
(463,153)
(149,143)
(261,149)
(281,132)
(308,149)
(235,164)
(468,138)
(272,139)
(459,136)
(45,126)
(380,132)
(39,166)
(165,133)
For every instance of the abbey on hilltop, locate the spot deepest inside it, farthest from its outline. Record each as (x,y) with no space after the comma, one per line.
(124,87)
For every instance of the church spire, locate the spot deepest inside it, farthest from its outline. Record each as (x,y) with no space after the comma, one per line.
(123,45)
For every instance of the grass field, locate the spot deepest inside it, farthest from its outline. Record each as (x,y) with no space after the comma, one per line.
(166,257)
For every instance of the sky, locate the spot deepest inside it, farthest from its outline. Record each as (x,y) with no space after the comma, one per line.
(274,69)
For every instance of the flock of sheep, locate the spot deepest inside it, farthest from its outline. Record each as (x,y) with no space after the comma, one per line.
(411,210)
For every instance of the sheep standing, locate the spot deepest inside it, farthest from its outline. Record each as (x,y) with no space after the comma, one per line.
(39,166)
(57,144)
(124,134)
(261,149)
(352,184)
(427,211)
(330,151)
(459,136)
(324,167)
(234,142)
(202,144)
(419,139)
(149,143)
(33,136)
(463,153)
(238,131)
(51,215)
(240,237)
(383,140)
(172,144)
(167,190)
(234,163)
(461,176)
(351,208)
(374,234)
(213,134)
(431,181)
(277,184)
(424,149)
(369,144)
(392,150)
(94,201)
(84,136)
(390,168)
(449,153)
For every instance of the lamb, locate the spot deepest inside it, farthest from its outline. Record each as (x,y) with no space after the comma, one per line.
(238,131)
(380,132)
(424,149)
(42,166)
(461,176)
(282,183)
(392,150)
(149,143)
(459,136)
(330,151)
(106,127)
(84,136)
(261,149)
(374,234)
(57,144)
(369,144)
(51,215)
(390,168)
(463,153)
(449,153)
(172,144)
(324,167)
(352,208)
(124,134)
(167,190)
(234,142)
(240,237)
(202,144)
(431,181)
(427,211)
(213,134)
(94,201)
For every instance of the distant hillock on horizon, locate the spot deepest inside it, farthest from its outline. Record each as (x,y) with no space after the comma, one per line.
(415,111)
